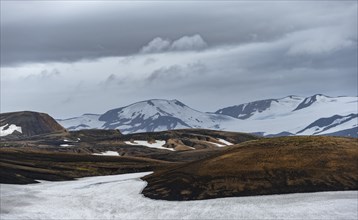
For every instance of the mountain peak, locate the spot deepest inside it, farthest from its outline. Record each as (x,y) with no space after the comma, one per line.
(154,102)
(158,114)
(310,100)
(246,110)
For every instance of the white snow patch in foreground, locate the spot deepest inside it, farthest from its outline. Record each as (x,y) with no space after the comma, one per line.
(107,153)
(9,130)
(158,144)
(118,197)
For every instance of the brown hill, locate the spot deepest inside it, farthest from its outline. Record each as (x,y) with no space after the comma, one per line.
(205,142)
(259,167)
(26,165)
(67,155)
(31,123)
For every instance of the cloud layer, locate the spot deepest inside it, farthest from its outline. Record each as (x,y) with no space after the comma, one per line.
(91,60)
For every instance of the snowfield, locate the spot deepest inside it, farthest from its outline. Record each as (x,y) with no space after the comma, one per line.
(285,118)
(118,197)
(85,121)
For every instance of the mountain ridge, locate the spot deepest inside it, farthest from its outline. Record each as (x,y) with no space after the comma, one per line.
(253,117)
(290,115)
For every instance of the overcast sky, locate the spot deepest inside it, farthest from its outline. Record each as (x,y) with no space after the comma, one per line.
(67,58)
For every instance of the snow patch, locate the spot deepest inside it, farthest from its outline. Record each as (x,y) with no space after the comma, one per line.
(158,144)
(225,142)
(66,140)
(107,153)
(217,144)
(66,145)
(11,129)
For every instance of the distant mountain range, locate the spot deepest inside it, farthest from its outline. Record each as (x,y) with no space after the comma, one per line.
(291,115)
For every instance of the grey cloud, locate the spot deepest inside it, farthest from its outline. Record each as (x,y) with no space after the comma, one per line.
(111,80)
(194,42)
(149,61)
(177,72)
(158,45)
(173,73)
(251,51)
(44,74)
(66,31)
(321,40)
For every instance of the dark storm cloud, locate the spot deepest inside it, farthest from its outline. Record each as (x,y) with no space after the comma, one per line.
(40,31)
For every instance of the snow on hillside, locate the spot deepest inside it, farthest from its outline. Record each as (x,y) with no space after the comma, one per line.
(273,116)
(280,108)
(9,129)
(297,120)
(225,142)
(353,123)
(263,109)
(118,197)
(158,114)
(331,124)
(157,144)
(86,121)
(107,153)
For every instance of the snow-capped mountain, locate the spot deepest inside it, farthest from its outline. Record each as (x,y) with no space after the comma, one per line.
(262,109)
(159,115)
(331,124)
(150,115)
(86,121)
(291,115)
